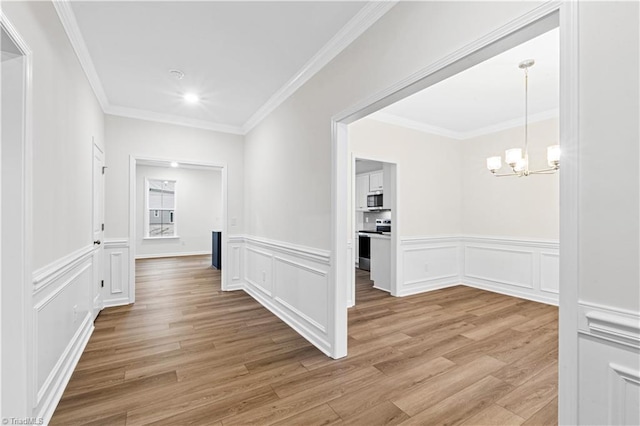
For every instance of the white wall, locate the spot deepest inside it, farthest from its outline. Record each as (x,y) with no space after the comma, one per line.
(509,206)
(140,138)
(66,116)
(198,210)
(429,175)
(609,149)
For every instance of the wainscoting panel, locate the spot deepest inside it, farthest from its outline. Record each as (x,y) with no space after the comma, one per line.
(504,266)
(116,273)
(609,348)
(234,277)
(516,267)
(259,270)
(303,290)
(61,321)
(293,283)
(550,272)
(428,264)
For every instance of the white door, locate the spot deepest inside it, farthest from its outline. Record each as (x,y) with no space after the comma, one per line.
(98,229)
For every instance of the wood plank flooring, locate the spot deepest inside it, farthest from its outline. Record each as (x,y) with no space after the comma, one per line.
(187,353)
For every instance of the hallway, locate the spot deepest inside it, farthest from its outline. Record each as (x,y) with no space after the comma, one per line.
(188,353)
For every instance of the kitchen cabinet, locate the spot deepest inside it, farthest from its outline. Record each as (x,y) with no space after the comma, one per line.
(381,262)
(362,190)
(376,181)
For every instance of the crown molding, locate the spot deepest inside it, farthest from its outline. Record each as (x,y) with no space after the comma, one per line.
(171,119)
(509,124)
(68,19)
(367,16)
(396,120)
(440,131)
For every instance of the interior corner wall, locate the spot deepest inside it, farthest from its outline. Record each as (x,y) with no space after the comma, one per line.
(198,210)
(127,137)
(429,175)
(525,208)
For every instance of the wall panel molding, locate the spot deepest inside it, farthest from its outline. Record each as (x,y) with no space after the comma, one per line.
(289,280)
(62,324)
(610,324)
(116,273)
(428,263)
(48,274)
(525,268)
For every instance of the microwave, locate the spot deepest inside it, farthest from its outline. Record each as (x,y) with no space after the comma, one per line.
(374,202)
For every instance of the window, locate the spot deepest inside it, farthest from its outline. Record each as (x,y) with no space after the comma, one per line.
(160,201)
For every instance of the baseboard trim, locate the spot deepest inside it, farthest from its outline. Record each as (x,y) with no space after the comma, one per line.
(429,285)
(63,370)
(509,291)
(111,303)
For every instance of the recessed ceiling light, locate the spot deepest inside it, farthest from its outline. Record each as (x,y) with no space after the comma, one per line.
(192,98)
(174,164)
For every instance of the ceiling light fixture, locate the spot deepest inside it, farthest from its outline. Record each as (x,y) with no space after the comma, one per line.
(514,157)
(174,164)
(191,98)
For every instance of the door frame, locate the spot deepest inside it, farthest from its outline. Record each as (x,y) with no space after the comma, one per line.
(26,233)
(563,14)
(133,162)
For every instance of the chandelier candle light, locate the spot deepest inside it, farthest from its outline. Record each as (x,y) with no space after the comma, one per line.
(514,157)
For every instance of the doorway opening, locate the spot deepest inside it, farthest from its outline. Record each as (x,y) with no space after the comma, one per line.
(373,211)
(177,208)
(537,22)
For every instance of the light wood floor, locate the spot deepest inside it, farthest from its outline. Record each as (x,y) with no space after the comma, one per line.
(186,353)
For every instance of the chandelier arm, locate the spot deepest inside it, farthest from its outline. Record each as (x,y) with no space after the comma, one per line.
(516,174)
(548,171)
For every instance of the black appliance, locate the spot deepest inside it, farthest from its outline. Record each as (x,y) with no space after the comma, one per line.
(374,202)
(216,249)
(364,252)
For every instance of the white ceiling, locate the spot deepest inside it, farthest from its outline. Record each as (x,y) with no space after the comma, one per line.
(235,55)
(488,96)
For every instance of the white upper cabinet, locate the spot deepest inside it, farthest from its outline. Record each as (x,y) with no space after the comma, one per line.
(362,190)
(375,181)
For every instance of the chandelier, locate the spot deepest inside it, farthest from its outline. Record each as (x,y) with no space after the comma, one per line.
(515,157)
